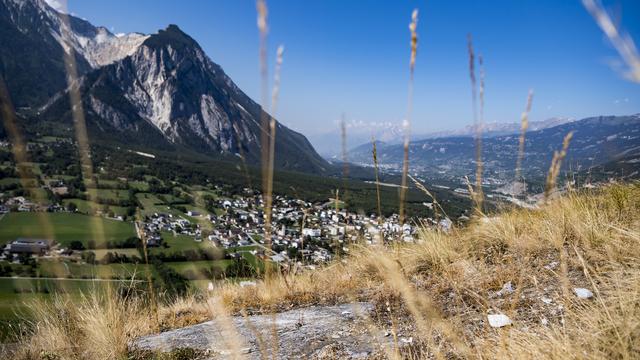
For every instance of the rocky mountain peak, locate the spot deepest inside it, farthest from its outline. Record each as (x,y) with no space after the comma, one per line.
(172,36)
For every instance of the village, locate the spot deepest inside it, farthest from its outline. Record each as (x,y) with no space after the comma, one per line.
(300,231)
(311,233)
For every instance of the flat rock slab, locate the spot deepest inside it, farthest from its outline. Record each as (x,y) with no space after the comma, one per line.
(311,332)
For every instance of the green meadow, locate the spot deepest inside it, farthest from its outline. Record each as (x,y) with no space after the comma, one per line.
(62,227)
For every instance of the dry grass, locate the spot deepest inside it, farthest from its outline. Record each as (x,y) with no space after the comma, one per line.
(97,327)
(439,289)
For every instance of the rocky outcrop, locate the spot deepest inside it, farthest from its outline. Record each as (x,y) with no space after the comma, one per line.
(313,332)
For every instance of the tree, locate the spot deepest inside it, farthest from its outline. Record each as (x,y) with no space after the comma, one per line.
(76,245)
(72,207)
(89,257)
(172,282)
(240,267)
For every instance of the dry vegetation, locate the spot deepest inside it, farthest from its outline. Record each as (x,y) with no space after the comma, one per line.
(439,290)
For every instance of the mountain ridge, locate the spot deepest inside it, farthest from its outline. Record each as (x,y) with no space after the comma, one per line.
(448,160)
(360,133)
(161,89)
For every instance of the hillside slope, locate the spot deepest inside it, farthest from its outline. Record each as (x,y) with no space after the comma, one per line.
(433,298)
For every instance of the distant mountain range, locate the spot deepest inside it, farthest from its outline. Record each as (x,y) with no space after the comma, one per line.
(157,91)
(492,129)
(329,144)
(598,143)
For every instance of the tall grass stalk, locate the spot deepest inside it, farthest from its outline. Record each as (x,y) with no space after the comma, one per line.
(265,142)
(477,193)
(152,294)
(478,135)
(524,125)
(81,133)
(621,41)
(272,142)
(375,169)
(19,150)
(345,157)
(556,165)
(413,26)
(437,207)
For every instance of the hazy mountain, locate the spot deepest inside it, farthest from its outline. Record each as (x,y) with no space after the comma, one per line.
(596,140)
(159,90)
(329,144)
(491,129)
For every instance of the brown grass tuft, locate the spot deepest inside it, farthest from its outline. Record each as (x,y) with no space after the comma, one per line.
(556,164)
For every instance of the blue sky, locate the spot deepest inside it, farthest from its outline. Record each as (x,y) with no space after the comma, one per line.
(352,57)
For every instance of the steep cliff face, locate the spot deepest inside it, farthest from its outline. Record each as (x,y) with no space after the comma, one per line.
(175,87)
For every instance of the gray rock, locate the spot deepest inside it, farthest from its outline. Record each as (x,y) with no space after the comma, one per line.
(317,334)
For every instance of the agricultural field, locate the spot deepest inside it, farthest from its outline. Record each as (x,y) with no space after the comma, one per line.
(112,194)
(64,227)
(57,177)
(176,244)
(100,253)
(18,291)
(86,207)
(139,185)
(199,265)
(34,167)
(64,269)
(152,204)
(67,269)
(9,181)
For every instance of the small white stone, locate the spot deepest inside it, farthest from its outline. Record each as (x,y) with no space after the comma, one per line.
(583,293)
(498,320)
(551,266)
(407,340)
(546,300)
(507,289)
